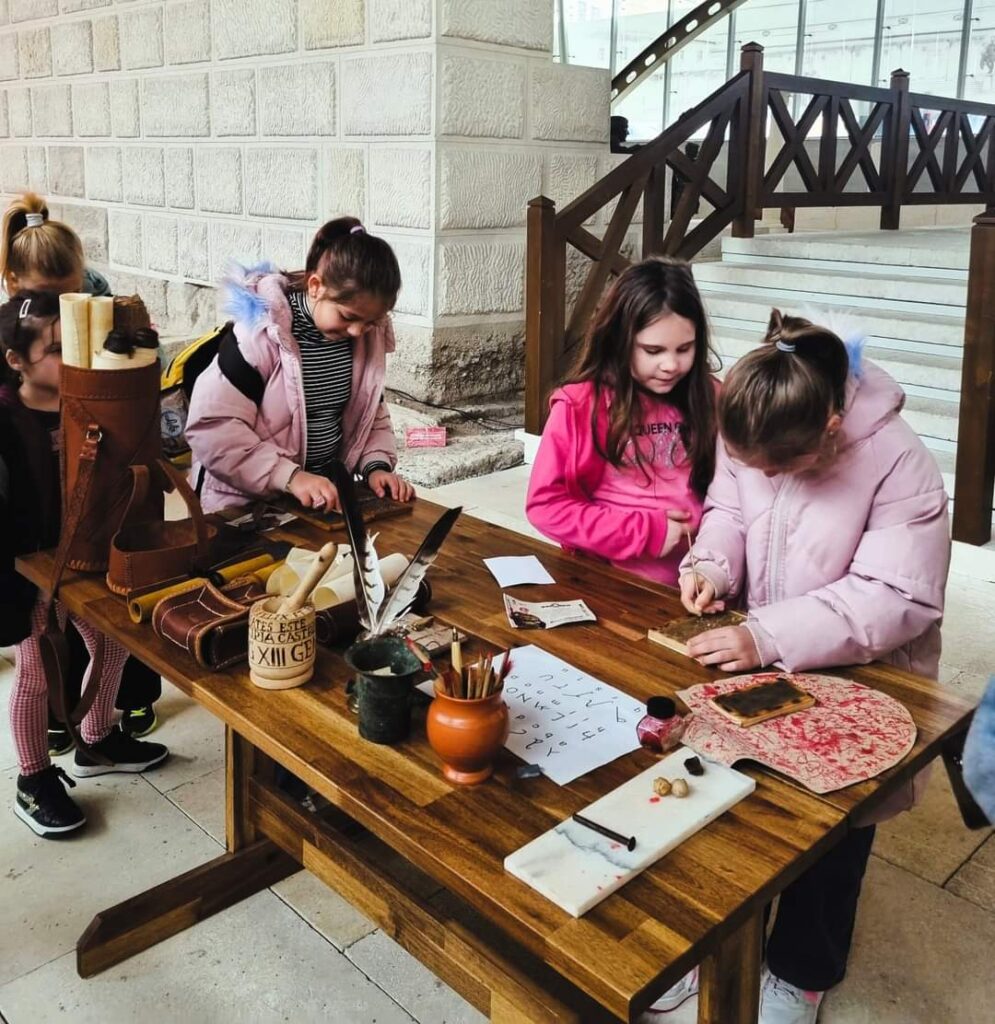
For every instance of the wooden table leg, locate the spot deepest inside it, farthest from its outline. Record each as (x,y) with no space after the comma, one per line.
(154,915)
(242,762)
(729,990)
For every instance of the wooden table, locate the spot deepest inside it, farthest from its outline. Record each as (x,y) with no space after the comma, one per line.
(424,859)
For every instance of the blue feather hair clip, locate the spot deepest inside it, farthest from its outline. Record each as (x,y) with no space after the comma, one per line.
(242,302)
(855,345)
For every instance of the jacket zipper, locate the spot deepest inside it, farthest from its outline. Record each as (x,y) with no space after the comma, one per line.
(778,536)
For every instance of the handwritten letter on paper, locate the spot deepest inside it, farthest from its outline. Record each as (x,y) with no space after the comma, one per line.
(564,720)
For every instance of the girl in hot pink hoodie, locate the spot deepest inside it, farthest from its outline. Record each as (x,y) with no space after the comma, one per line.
(629,447)
(827,518)
(319,339)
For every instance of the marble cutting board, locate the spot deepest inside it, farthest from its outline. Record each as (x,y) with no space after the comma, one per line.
(577,868)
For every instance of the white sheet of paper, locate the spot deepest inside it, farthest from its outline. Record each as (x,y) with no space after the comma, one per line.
(512,570)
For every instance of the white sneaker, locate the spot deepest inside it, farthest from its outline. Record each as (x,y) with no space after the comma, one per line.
(781,1003)
(673,997)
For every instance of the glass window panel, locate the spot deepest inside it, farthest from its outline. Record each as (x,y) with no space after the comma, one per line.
(923,37)
(639,23)
(839,40)
(774,25)
(588,26)
(644,109)
(980,81)
(699,69)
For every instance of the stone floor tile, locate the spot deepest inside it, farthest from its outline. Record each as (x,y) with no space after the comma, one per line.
(410,983)
(969,685)
(203,800)
(930,840)
(968,637)
(194,736)
(256,962)
(921,955)
(324,909)
(8,757)
(50,890)
(975,881)
(509,522)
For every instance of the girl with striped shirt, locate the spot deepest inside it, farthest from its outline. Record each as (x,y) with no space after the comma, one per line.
(319,340)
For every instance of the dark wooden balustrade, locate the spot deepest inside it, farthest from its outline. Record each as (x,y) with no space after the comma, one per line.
(902,149)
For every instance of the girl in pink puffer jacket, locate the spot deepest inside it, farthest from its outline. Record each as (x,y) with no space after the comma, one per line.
(827,518)
(319,339)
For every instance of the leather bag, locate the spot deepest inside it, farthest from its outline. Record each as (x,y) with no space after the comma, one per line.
(146,552)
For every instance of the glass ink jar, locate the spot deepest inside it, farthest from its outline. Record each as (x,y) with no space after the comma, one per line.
(662,727)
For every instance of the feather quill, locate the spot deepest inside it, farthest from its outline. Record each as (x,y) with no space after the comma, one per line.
(406,588)
(368,582)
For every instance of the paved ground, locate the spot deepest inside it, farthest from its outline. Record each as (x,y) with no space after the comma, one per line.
(296,953)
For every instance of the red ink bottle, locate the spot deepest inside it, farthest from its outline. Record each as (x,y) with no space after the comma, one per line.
(662,727)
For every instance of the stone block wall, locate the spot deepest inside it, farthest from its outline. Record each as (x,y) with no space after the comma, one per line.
(176,135)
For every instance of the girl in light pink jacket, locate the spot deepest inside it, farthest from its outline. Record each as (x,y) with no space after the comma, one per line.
(827,519)
(629,448)
(319,340)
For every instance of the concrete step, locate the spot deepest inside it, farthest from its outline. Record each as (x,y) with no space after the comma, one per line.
(889,328)
(865,287)
(940,248)
(922,375)
(934,421)
(463,457)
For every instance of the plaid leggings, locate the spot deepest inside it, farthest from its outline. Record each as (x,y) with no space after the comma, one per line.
(29,696)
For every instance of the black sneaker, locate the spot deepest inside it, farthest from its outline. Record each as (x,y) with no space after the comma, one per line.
(59,741)
(139,721)
(44,805)
(126,753)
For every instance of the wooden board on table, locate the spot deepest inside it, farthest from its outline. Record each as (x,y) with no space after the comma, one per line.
(762,701)
(371,508)
(676,633)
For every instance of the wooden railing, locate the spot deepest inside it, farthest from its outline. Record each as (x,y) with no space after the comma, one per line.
(890,157)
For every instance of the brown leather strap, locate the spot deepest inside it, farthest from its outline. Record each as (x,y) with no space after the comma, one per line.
(179,481)
(52,642)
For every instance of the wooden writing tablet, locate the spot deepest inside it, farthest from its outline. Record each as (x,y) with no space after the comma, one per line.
(757,703)
(676,633)
(371,508)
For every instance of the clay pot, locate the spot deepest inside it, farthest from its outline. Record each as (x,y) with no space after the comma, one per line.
(281,645)
(467,735)
(386,671)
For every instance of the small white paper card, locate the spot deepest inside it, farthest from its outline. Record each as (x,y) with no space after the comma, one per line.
(514,570)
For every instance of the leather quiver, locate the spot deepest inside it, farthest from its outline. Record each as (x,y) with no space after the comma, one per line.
(110,420)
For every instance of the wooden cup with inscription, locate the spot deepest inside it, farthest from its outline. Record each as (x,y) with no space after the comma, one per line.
(281,644)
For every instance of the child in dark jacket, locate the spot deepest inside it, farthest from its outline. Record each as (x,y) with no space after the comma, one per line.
(30,518)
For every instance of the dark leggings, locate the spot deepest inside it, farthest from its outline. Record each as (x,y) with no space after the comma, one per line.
(810,941)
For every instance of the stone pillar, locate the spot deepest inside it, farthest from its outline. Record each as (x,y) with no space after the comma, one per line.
(177,135)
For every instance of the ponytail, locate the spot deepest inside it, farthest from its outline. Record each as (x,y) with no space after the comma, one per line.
(349,261)
(776,401)
(31,244)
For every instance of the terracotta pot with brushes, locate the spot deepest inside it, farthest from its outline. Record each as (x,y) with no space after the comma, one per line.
(467,733)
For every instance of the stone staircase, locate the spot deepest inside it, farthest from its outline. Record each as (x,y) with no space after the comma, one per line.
(906,290)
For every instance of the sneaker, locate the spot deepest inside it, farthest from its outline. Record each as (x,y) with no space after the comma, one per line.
(126,753)
(59,741)
(139,721)
(781,1003)
(44,805)
(673,997)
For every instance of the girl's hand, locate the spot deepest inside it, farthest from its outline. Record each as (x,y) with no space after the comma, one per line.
(701,601)
(313,491)
(731,649)
(381,482)
(676,529)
